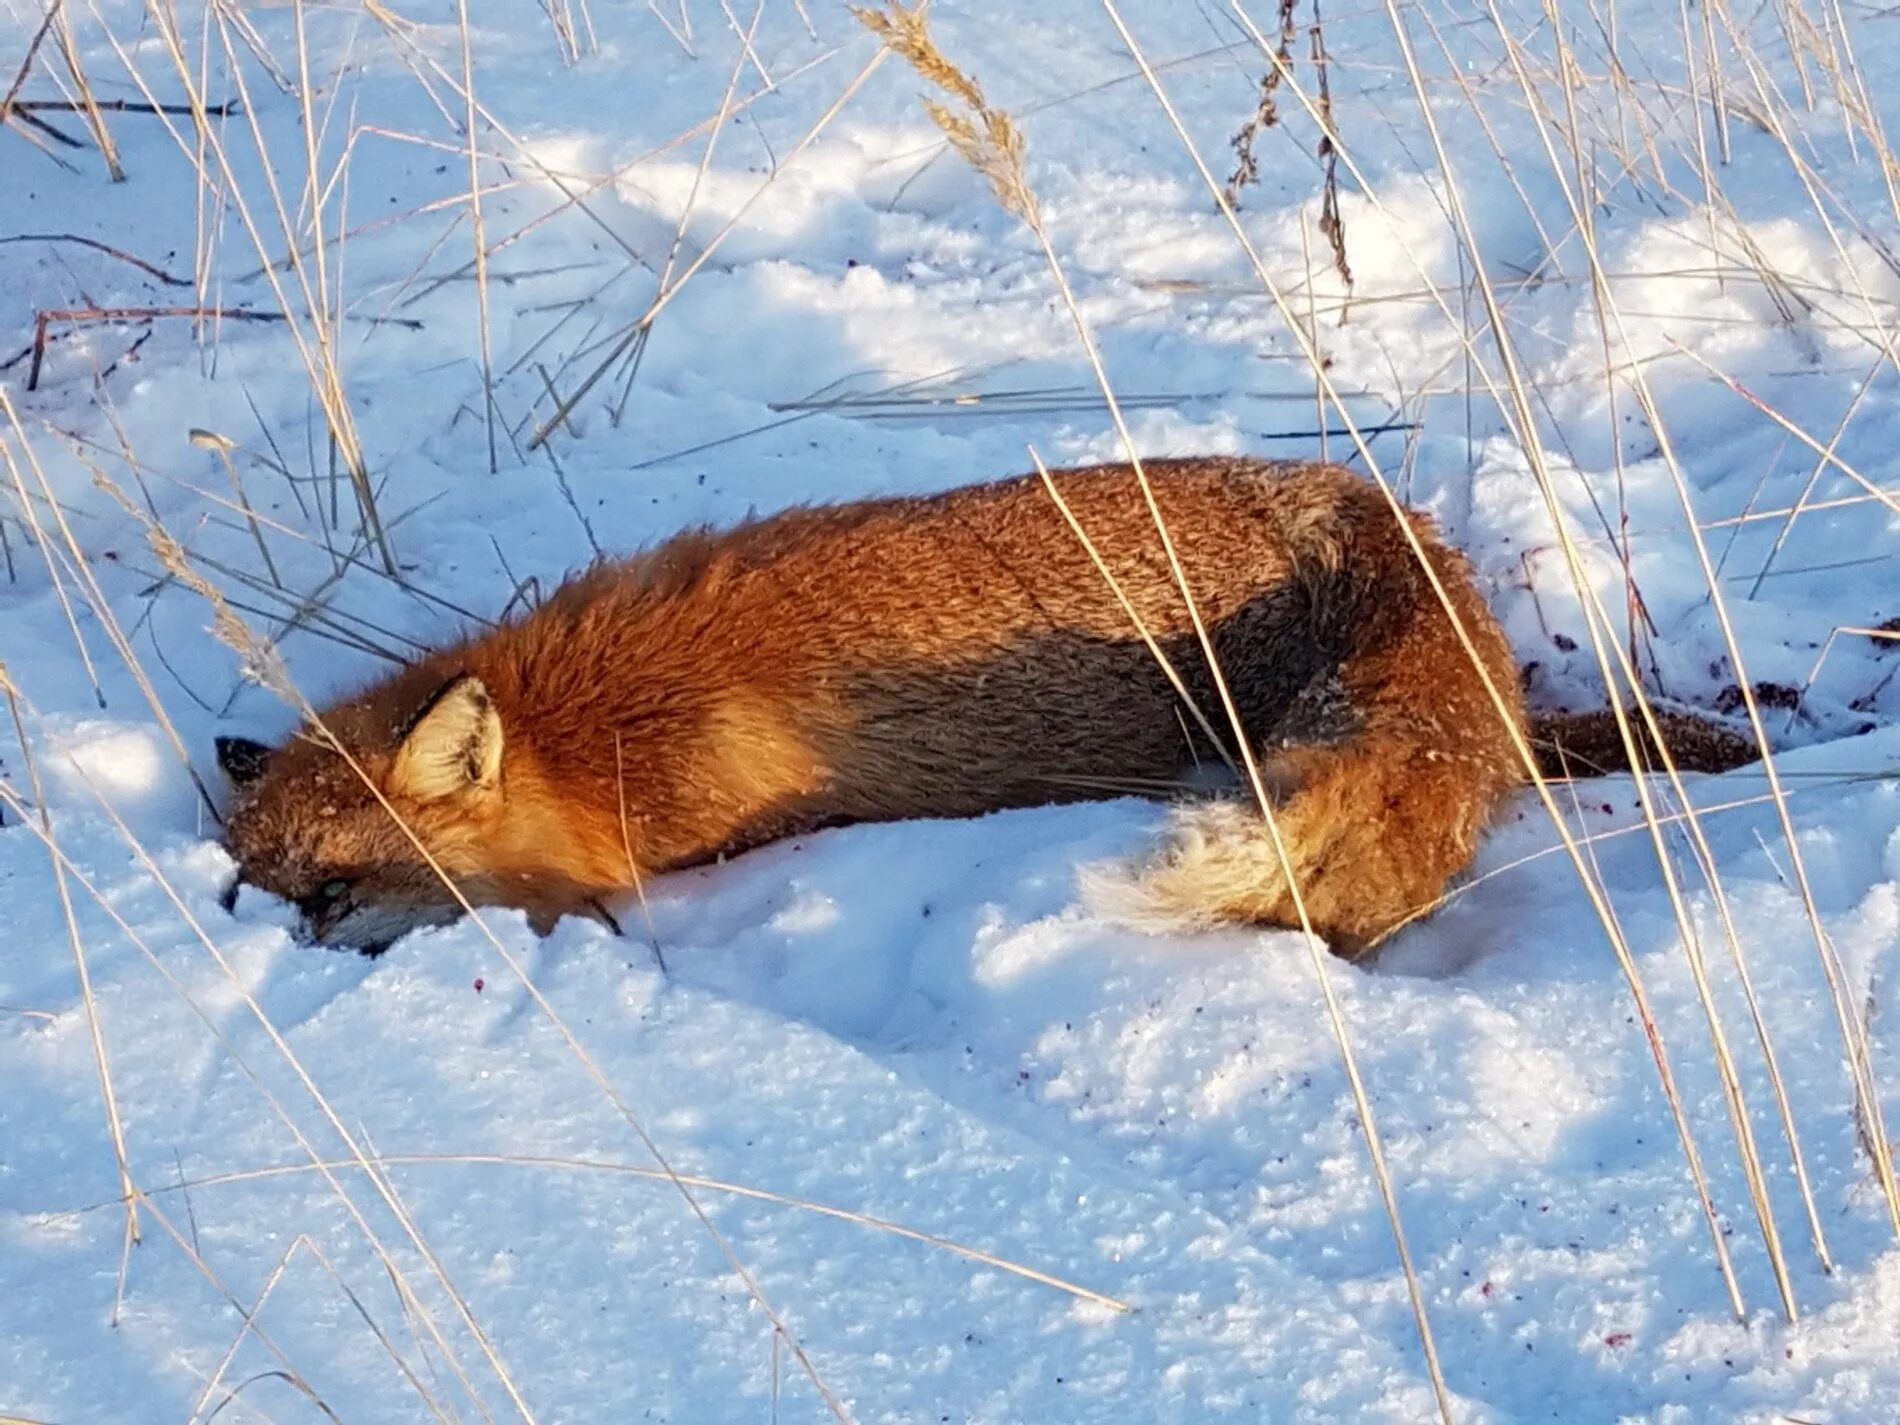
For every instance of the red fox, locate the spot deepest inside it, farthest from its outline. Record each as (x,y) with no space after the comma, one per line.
(942,656)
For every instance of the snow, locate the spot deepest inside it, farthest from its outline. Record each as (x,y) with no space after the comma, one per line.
(924,1024)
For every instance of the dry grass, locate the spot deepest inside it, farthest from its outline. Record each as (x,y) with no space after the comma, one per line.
(1514,396)
(1618,657)
(302,262)
(1605,128)
(991,143)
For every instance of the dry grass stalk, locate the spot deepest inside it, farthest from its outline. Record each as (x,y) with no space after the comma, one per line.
(250,1328)
(95,596)
(1267,114)
(1887,633)
(635,352)
(1644,741)
(266,664)
(1523,419)
(1826,452)
(905,31)
(1478,110)
(231,16)
(634,333)
(29,522)
(573,197)
(722,1186)
(43,320)
(986,138)
(318,1162)
(47,21)
(359,1153)
(1215,740)
(1266,109)
(1864,1130)
(102,1063)
(310,332)
(1635,618)
(1587,878)
(312,275)
(150,269)
(410,41)
(560,20)
(680,29)
(1801,505)
(1599,626)
(1854,1043)
(1331,225)
(1739,1119)
(209,440)
(477,226)
(626,847)
(88,103)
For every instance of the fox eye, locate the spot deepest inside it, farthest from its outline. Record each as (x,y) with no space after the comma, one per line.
(333,888)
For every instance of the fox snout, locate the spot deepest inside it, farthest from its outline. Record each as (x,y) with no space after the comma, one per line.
(330,917)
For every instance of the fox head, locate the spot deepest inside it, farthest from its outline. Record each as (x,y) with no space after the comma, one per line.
(331,820)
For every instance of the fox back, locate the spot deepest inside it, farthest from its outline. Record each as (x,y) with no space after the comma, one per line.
(925,657)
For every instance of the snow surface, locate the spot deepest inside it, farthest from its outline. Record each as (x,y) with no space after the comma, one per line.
(921,1023)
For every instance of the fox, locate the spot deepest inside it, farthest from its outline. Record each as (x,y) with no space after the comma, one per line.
(936,656)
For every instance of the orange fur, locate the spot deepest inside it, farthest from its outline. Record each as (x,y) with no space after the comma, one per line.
(943,656)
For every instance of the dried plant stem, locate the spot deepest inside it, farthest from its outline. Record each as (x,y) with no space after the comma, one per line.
(7,101)
(991,143)
(335,1123)
(1599,300)
(267,665)
(1854,1042)
(95,596)
(1827,453)
(593,1070)
(1602,638)
(249,1327)
(1602,634)
(37,536)
(1155,650)
(479,230)
(148,268)
(1517,389)
(87,103)
(1590,883)
(626,847)
(1801,505)
(317,1161)
(102,1063)
(646,319)
(1654,821)
(636,352)
(635,1170)
(1266,112)
(1332,225)
(314,344)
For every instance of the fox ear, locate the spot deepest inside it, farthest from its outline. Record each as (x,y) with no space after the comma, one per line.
(241,759)
(453,747)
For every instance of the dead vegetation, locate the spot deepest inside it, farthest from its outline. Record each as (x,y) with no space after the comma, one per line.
(1603,127)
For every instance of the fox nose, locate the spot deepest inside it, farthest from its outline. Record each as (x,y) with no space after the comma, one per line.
(227,898)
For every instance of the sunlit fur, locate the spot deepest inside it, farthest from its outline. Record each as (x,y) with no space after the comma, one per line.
(927,657)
